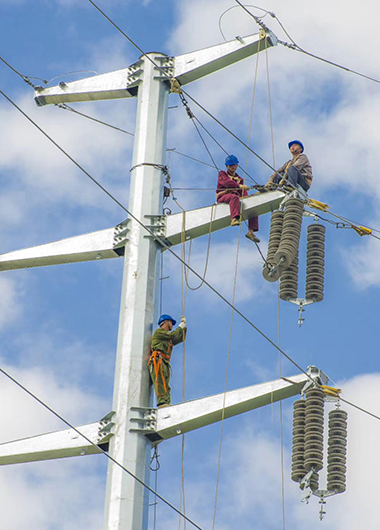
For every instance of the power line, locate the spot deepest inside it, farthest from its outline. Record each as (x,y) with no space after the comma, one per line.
(67,107)
(41,402)
(183,91)
(156,238)
(296,47)
(25,78)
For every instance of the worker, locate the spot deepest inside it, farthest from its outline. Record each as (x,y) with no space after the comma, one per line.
(163,341)
(296,171)
(230,189)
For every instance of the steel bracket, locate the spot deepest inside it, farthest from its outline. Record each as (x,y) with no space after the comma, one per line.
(157,225)
(120,234)
(145,418)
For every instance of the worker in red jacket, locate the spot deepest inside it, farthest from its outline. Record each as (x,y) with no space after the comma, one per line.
(230,189)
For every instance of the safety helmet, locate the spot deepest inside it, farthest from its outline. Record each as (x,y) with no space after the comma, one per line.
(166,317)
(296,142)
(231,160)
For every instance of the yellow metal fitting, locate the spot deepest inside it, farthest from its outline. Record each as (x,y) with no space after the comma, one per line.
(317,205)
(175,87)
(262,33)
(362,230)
(331,391)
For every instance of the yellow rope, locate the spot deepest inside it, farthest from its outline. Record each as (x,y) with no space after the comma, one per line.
(233,302)
(281,428)
(226,381)
(278,310)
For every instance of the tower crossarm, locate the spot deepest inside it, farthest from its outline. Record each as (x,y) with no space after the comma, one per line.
(194,65)
(59,444)
(196,223)
(184,417)
(103,244)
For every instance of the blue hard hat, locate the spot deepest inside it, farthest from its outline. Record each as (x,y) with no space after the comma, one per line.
(231,160)
(296,142)
(166,317)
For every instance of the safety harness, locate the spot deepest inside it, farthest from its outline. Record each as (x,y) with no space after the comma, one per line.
(155,359)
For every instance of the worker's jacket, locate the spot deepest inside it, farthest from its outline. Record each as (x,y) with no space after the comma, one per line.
(227,184)
(163,341)
(301,162)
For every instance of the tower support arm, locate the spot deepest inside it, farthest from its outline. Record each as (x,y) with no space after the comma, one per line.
(197,222)
(194,65)
(191,415)
(102,244)
(112,85)
(59,444)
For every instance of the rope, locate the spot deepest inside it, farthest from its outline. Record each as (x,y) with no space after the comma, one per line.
(281,416)
(270,105)
(226,381)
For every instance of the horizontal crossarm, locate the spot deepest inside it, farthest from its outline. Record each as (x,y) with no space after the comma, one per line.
(59,444)
(194,65)
(185,417)
(196,223)
(103,244)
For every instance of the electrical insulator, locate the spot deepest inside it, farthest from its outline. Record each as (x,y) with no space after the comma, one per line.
(289,281)
(275,232)
(314,433)
(336,451)
(315,262)
(298,446)
(291,232)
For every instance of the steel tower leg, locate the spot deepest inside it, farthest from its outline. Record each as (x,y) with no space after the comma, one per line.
(126,504)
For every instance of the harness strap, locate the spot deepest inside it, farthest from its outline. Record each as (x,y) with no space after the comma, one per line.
(156,358)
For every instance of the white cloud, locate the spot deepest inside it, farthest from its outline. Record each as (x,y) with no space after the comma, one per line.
(10,301)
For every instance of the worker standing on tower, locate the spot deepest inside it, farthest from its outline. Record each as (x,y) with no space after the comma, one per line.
(296,171)
(163,341)
(231,189)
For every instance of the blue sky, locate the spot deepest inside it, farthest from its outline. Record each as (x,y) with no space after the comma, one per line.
(58,325)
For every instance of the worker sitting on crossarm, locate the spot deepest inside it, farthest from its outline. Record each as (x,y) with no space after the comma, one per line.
(163,341)
(296,171)
(230,189)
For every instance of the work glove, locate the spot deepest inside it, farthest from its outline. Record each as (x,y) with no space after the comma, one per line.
(183,323)
(244,187)
(270,185)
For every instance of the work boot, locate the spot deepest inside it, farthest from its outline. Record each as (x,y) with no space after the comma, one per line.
(235,221)
(252,237)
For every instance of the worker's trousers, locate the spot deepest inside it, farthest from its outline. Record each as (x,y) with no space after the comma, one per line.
(161,382)
(234,201)
(295,177)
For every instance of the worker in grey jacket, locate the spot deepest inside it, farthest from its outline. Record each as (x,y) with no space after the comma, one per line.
(296,171)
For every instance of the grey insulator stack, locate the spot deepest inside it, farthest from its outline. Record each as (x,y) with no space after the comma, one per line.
(289,281)
(336,451)
(275,232)
(314,433)
(291,233)
(298,448)
(315,262)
